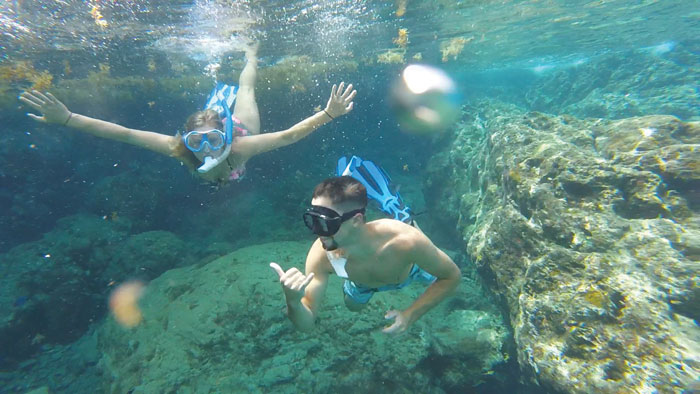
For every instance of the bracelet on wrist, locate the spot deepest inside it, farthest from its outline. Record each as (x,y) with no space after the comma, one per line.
(70,115)
(329,115)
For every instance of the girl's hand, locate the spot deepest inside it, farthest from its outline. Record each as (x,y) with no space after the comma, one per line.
(52,110)
(340,102)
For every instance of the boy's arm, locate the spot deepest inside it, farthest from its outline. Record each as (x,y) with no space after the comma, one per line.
(304,292)
(427,256)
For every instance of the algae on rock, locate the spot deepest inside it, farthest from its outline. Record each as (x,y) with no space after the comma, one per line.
(588,231)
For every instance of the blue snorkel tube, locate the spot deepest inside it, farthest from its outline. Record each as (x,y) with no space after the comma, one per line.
(210,163)
(376,181)
(220,100)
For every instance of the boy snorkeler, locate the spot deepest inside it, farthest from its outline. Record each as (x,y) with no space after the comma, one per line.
(380,255)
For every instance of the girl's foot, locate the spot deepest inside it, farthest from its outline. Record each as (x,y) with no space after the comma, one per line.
(251,52)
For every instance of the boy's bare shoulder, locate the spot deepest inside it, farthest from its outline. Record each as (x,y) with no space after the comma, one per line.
(389,226)
(400,236)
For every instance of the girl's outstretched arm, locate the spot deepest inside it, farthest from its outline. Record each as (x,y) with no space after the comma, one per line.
(339,104)
(55,112)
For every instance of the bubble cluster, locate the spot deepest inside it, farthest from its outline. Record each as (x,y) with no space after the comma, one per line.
(424,99)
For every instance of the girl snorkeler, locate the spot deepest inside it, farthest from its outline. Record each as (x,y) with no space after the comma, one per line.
(217,148)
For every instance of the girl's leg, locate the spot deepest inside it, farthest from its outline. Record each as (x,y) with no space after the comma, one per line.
(246,108)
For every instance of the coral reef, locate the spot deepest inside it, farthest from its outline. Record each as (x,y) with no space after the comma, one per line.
(588,231)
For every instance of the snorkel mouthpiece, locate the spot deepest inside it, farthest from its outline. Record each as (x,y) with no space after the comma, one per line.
(210,162)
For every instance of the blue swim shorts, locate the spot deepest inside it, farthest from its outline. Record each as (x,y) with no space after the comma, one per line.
(361,294)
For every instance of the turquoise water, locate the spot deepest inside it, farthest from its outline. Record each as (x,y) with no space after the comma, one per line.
(84,214)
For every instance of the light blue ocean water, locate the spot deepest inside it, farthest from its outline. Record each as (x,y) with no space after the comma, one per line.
(147,64)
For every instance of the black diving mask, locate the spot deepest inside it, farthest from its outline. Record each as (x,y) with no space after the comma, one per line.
(325,222)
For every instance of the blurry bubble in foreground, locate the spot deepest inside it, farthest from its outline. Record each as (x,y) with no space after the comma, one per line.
(123,302)
(424,99)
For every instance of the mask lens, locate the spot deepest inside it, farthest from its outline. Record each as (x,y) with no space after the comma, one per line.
(321,224)
(194,140)
(216,139)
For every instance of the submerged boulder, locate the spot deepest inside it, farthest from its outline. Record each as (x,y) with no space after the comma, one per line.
(621,85)
(588,231)
(53,289)
(221,327)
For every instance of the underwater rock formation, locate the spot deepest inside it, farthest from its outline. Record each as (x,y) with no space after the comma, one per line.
(588,230)
(53,289)
(221,327)
(623,85)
